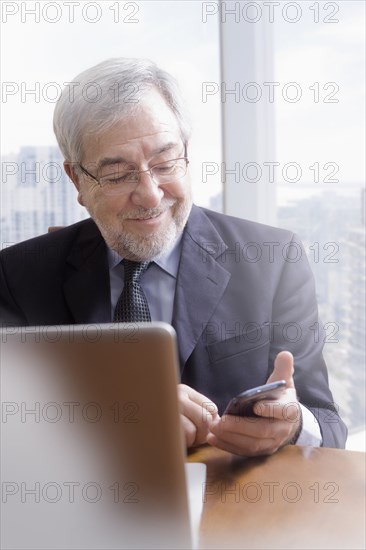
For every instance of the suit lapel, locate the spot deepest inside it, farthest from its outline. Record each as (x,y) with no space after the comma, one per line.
(87,287)
(201,281)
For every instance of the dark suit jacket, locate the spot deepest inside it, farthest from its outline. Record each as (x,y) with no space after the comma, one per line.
(244,292)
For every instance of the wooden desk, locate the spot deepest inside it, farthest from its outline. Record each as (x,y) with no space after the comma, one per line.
(299,498)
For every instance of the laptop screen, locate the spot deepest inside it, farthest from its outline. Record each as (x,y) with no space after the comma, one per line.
(92,454)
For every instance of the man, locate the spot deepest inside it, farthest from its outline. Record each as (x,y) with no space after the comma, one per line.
(241,320)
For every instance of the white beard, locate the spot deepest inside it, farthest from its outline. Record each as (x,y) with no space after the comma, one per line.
(141,248)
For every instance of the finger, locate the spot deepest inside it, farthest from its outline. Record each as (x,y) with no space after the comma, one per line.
(194,412)
(242,445)
(199,418)
(253,427)
(190,430)
(287,408)
(198,411)
(283,369)
(198,398)
(210,411)
(272,435)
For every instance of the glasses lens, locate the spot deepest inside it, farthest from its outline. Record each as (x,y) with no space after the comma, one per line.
(121,180)
(168,171)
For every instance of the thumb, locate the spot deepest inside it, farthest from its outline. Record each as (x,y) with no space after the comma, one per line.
(283,369)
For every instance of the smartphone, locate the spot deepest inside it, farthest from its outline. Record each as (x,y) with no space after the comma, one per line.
(242,404)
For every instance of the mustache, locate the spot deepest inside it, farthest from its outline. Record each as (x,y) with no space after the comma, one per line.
(145,213)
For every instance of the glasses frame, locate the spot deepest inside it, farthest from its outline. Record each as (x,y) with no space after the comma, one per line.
(85,171)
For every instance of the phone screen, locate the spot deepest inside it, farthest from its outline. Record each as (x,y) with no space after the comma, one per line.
(242,404)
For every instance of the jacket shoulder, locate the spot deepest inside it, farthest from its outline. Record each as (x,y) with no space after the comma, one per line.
(231,227)
(57,242)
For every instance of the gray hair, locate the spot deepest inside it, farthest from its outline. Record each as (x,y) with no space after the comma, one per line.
(100,96)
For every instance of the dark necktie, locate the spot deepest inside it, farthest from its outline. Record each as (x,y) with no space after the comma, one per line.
(132,306)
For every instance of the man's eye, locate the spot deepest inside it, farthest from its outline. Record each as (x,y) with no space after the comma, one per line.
(117,179)
(164,168)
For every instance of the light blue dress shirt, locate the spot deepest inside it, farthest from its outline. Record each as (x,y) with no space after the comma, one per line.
(158,282)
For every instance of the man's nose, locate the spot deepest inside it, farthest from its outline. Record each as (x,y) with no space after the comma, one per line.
(147,193)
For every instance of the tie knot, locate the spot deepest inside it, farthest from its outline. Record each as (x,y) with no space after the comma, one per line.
(134,270)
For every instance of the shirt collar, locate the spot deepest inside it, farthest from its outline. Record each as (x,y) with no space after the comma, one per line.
(169,262)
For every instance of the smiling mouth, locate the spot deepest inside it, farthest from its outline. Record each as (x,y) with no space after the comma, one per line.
(147,218)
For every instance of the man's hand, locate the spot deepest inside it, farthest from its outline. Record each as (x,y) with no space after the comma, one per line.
(197,411)
(279,422)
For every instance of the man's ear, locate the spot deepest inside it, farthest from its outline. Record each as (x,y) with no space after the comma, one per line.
(74,176)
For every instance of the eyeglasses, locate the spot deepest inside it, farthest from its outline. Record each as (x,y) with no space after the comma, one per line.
(123,179)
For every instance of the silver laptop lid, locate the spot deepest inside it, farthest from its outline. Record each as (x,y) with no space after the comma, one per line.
(91,447)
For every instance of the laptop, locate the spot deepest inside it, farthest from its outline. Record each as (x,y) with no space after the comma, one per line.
(92,454)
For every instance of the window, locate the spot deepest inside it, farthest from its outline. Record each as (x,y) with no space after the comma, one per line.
(293,108)
(45,45)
